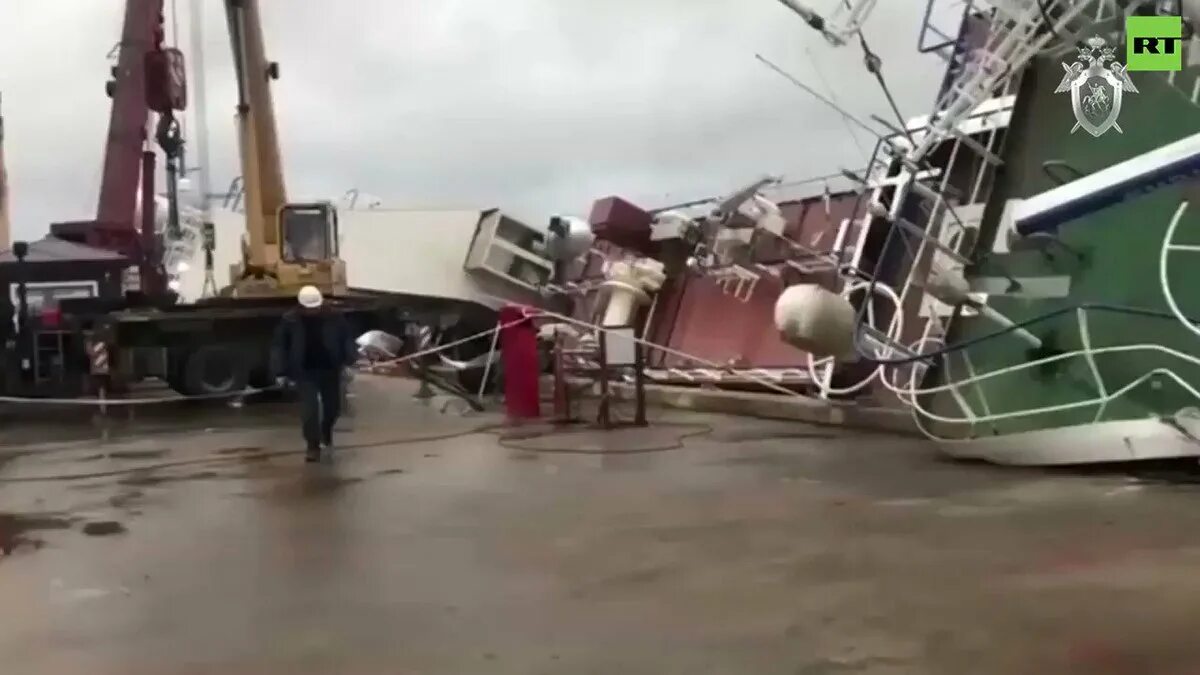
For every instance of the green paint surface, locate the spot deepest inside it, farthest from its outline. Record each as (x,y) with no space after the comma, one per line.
(1120,248)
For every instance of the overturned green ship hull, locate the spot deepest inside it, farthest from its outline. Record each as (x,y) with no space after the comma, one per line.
(1117,374)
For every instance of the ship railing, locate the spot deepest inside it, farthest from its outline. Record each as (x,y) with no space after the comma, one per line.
(1017,32)
(904,376)
(781,376)
(951,216)
(735,280)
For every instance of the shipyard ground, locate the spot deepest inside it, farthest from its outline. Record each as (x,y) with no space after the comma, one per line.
(761,547)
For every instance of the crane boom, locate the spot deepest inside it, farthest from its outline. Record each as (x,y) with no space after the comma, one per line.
(148,78)
(286,245)
(126,156)
(262,172)
(128,117)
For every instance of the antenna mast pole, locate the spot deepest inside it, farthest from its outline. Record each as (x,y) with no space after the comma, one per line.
(200,142)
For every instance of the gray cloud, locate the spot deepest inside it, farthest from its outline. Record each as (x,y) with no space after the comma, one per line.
(537,106)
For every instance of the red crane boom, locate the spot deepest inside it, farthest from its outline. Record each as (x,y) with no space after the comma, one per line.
(148,77)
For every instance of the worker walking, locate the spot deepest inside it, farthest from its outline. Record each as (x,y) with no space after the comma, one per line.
(313,345)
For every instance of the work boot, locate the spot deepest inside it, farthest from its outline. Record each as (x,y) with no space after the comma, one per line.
(327,448)
(312,455)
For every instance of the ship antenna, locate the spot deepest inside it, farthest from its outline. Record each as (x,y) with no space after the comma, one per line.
(200,139)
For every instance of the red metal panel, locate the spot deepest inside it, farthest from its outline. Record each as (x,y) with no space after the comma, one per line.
(714,325)
(697,316)
(661,325)
(620,222)
(818,228)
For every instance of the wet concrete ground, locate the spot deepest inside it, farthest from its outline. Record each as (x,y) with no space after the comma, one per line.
(755,548)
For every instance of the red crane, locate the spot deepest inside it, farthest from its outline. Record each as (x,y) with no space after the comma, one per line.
(148,78)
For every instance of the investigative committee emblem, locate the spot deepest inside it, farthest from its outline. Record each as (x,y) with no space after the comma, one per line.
(1096,82)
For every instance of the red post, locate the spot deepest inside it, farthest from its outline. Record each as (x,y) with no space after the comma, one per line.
(519,354)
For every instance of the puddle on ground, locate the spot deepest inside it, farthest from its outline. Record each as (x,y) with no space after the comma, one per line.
(103,528)
(125,498)
(152,477)
(142,479)
(315,484)
(7,456)
(138,454)
(16,530)
(245,450)
(199,475)
(752,435)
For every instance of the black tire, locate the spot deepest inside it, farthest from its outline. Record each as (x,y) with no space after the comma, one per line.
(215,369)
(176,360)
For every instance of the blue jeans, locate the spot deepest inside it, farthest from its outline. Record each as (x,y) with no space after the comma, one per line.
(321,404)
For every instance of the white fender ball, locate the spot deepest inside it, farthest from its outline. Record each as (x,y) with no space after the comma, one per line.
(816,320)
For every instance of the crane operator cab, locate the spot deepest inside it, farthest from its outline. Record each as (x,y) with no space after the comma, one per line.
(307,255)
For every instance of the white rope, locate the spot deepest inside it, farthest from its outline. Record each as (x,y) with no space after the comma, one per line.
(441,348)
(717,367)
(249,391)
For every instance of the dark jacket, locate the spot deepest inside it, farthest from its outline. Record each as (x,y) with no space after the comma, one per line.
(287,353)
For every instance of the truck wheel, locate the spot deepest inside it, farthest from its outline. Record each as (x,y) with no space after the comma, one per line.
(176,361)
(215,369)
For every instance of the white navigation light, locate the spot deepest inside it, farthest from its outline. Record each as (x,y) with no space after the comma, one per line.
(1171,164)
(816,320)
(569,238)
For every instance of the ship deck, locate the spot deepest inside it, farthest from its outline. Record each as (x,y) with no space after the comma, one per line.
(758,547)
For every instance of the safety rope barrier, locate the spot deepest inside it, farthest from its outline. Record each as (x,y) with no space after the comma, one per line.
(908,393)
(536,312)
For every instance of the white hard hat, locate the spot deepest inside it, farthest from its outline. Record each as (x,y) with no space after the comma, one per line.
(310,297)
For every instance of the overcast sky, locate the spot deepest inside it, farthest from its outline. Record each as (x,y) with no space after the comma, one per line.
(534,106)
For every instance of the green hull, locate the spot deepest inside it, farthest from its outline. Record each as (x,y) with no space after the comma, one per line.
(1120,248)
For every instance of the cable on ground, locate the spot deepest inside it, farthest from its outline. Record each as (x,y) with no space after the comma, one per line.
(507,440)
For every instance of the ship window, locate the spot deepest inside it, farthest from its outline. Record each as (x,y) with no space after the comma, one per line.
(306,235)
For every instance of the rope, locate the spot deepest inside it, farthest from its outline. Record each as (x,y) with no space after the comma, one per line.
(249,391)
(725,368)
